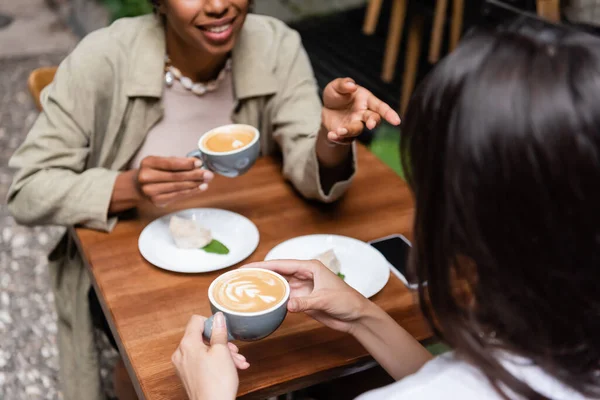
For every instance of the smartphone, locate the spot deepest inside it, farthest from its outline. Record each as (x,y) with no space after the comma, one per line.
(395,249)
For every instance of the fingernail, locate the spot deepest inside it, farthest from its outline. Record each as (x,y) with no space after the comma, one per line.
(240,357)
(219,320)
(342,131)
(203,187)
(350,84)
(397,120)
(198,163)
(208,176)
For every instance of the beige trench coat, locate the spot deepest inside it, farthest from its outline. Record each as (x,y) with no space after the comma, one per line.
(104,99)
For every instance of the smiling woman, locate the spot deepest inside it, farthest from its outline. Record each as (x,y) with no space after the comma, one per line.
(129,104)
(211,32)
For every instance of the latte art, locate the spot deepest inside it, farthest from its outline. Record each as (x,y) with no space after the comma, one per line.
(249,291)
(240,291)
(228,141)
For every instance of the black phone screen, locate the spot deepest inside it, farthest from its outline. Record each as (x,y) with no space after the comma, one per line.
(395,250)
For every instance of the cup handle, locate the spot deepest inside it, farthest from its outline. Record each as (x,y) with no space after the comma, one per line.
(208,329)
(197,154)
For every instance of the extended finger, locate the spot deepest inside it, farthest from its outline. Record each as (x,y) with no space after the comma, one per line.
(242,365)
(195,327)
(149,175)
(288,267)
(307,303)
(240,361)
(339,139)
(157,189)
(371,119)
(164,199)
(345,86)
(348,133)
(171,163)
(233,348)
(219,330)
(383,109)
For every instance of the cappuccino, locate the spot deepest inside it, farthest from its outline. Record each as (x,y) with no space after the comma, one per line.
(249,291)
(222,142)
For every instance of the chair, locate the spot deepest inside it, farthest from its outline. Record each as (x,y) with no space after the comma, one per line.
(458,8)
(394,38)
(38,80)
(437,30)
(546,8)
(411,61)
(396,28)
(549,9)
(373,11)
(415,35)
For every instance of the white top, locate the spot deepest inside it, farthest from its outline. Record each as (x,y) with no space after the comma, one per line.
(186,118)
(447,377)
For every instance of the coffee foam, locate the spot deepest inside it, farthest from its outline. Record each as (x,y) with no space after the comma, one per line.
(248,291)
(225,141)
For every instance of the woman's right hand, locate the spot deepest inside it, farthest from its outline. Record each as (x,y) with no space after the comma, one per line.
(328,299)
(320,293)
(165,179)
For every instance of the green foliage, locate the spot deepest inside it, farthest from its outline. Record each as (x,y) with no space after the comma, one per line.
(437,349)
(127,8)
(386,146)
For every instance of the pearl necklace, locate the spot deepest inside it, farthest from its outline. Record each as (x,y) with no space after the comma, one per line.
(198,88)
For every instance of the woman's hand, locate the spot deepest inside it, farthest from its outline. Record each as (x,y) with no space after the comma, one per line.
(328,299)
(208,371)
(348,108)
(320,293)
(166,179)
(161,180)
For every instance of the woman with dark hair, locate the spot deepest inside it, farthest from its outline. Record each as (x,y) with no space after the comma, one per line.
(502,149)
(128,105)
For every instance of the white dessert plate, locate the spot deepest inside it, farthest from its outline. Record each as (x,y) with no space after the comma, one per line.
(235,231)
(364,268)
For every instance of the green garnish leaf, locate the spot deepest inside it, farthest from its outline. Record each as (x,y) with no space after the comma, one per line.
(216,247)
(341,275)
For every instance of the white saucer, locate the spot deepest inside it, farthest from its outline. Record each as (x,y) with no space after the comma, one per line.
(235,231)
(365,269)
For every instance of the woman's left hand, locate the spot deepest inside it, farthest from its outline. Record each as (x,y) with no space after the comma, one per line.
(208,371)
(348,108)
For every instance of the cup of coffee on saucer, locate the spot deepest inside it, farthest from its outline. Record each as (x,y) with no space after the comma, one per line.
(229,150)
(253,301)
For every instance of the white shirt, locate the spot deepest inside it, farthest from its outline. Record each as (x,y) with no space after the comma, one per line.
(447,377)
(186,117)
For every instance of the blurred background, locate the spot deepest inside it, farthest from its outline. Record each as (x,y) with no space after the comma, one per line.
(387,46)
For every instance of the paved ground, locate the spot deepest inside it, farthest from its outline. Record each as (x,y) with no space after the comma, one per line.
(35,30)
(28,353)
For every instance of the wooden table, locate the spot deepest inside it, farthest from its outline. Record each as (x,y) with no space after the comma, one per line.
(147,308)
